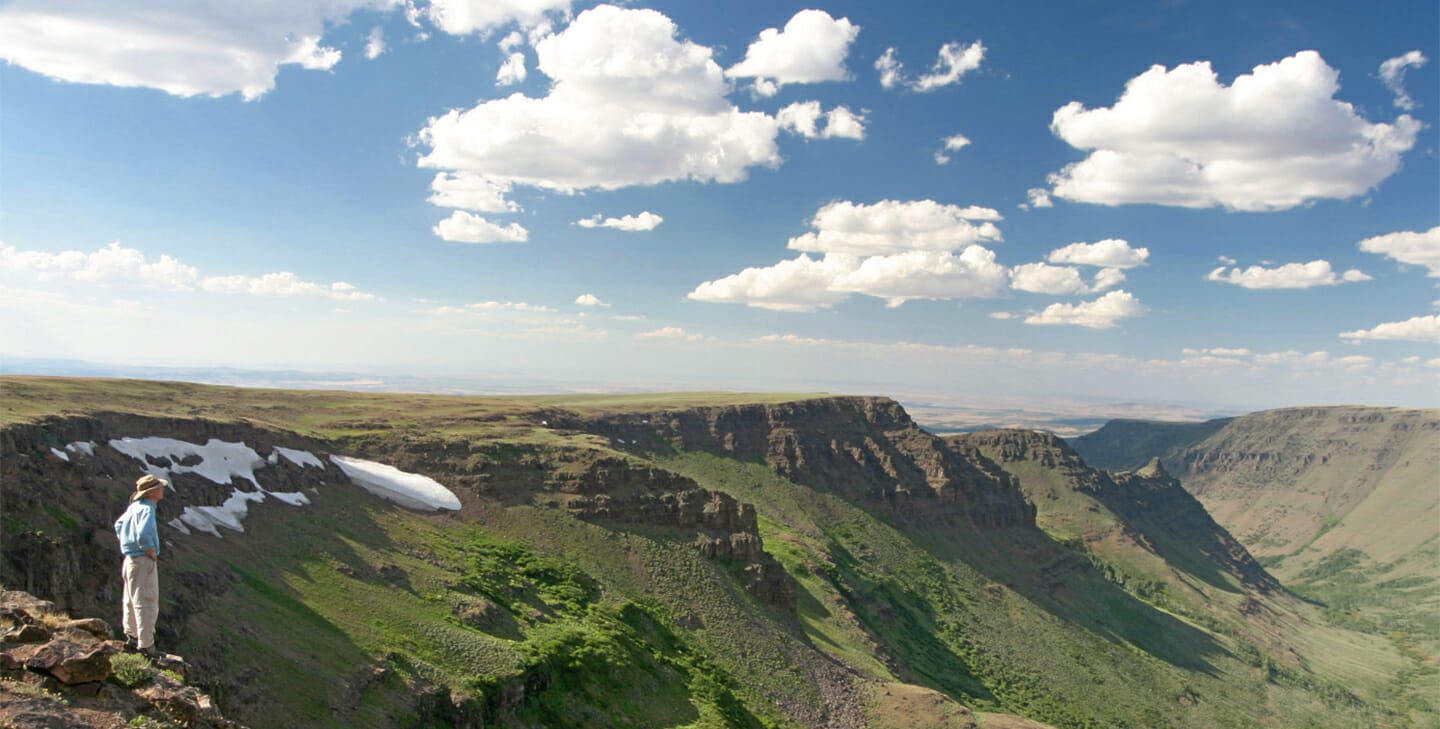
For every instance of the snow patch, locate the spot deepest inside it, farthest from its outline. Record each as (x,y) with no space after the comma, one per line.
(62,455)
(228,514)
(407,489)
(220,462)
(82,446)
(297,457)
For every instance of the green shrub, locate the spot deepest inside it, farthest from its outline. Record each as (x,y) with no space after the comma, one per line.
(130,669)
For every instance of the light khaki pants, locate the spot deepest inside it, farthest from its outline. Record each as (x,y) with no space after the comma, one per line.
(142,599)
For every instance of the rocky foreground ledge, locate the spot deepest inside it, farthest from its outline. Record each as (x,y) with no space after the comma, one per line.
(58,672)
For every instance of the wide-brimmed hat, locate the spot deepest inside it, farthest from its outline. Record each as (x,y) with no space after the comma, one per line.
(147,483)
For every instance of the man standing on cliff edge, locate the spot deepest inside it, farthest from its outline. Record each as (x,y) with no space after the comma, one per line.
(139,537)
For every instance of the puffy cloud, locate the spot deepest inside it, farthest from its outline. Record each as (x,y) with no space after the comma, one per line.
(892,250)
(955,60)
(803,118)
(843,123)
(472,192)
(113,264)
(589,300)
(1274,139)
(811,48)
(118,266)
(1392,73)
(1110,253)
(182,47)
(512,71)
(375,43)
(1042,278)
(802,284)
(1414,329)
(461,17)
(1101,313)
(959,141)
(1038,197)
(927,275)
(891,70)
(673,333)
(1419,249)
(629,105)
(1288,276)
(891,226)
(283,283)
(463,227)
(644,221)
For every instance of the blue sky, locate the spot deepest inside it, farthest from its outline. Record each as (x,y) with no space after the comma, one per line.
(1225,204)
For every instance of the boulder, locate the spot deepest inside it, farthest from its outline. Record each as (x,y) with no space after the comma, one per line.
(70,663)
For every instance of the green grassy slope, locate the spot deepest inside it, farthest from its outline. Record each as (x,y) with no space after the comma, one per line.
(514,612)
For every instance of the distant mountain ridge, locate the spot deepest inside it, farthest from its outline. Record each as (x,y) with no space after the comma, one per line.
(1341,503)
(1297,484)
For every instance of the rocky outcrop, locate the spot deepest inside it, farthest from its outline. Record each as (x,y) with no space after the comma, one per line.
(58,672)
(865,449)
(724,528)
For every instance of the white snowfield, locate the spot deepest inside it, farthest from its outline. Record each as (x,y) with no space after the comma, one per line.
(407,489)
(222,462)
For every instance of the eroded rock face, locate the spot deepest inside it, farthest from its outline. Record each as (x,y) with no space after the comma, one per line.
(864,449)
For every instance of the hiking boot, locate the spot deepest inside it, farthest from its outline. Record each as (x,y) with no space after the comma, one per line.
(132,645)
(151,652)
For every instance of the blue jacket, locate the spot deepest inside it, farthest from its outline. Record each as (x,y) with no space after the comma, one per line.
(137,529)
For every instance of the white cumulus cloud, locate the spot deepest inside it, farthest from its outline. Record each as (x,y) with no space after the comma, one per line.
(631,223)
(589,300)
(812,48)
(892,226)
(1392,73)
(1418,249)
(463,227)
(954,61)
(801,284)
(375,43)
(1274,139)
(1038,197)
(1109,253)
(461,17)
(512,71)
(282,283)
(925,274)
(803,118)
(182,47)
(1042,278)
(113,264)
(1288,276)
(1414,329)
(472,192)
(1101,313)
(896,251)
(118,266)
(952,143)
(630,104)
